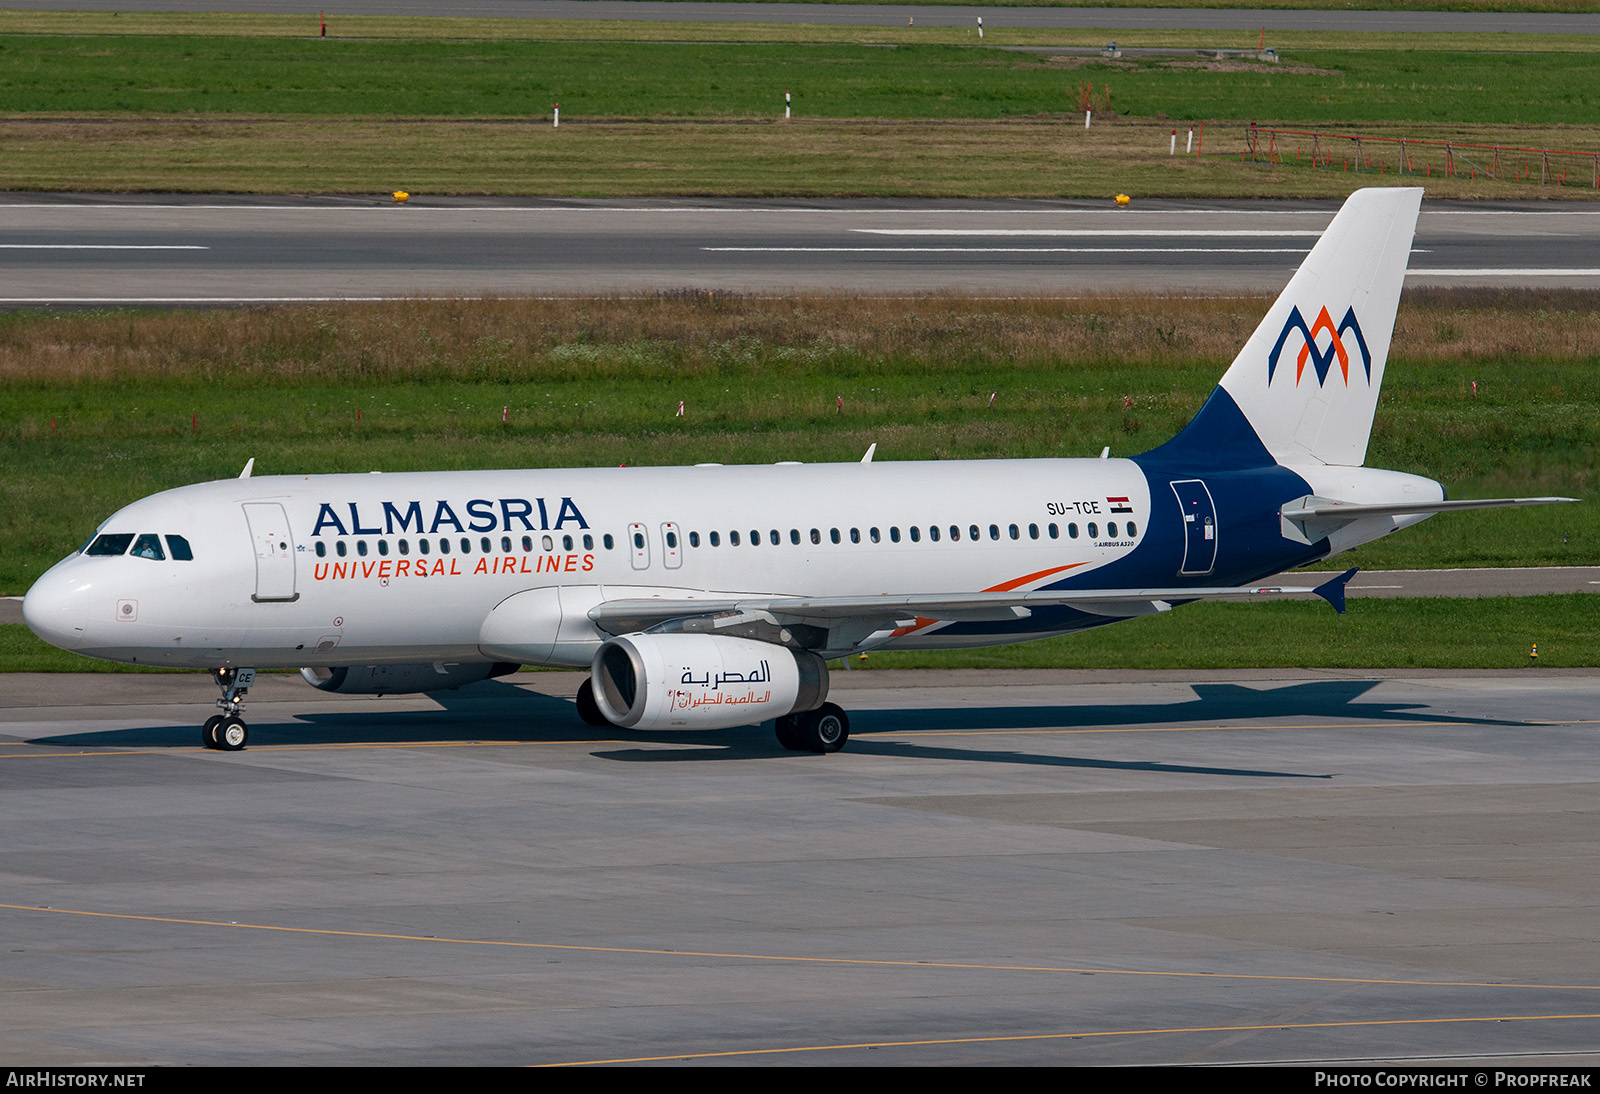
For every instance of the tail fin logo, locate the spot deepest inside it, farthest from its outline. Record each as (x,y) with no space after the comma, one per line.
(1321,359)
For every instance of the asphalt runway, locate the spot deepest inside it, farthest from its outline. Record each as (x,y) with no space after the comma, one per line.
(1023,868)
(93,249)
(897,15)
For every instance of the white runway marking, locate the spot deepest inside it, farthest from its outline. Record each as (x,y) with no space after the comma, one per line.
(217,299)
(1528,272)
(1113,233)
(101,247)
(1020,250)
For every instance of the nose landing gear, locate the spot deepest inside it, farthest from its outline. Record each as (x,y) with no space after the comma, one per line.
(227,731)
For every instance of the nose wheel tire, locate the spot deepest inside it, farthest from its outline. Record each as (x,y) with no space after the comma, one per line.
(208,732)
(232,734)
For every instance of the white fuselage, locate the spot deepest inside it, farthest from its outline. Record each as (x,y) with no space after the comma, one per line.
(402,568)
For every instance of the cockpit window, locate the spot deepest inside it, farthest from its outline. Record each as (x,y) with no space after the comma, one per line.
(179,547)
(149,546)
(112,543)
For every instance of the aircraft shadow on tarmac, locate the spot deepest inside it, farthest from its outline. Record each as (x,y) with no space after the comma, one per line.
(498,711)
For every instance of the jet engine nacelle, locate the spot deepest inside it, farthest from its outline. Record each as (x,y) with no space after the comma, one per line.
(403,679)
(703,681)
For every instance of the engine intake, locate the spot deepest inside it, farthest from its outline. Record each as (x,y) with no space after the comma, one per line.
(702,681)
(403,679)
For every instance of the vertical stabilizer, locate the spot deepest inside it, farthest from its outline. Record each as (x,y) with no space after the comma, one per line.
(1307,380)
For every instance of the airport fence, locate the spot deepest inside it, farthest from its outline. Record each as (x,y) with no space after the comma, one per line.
(1421,158)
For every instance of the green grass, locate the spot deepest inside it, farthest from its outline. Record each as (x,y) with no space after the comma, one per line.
(997,33)
(1490,632)
(219,76)
(927,116)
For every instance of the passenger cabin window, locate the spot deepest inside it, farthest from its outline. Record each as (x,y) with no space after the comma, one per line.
(716,539)
(608,541)
(1133,529)
(694,539)
(1094,530)
(114,544)
(322,549)
(774,538)
(149,546)
(361,548)
(422,546)
(994,531)
(340,549)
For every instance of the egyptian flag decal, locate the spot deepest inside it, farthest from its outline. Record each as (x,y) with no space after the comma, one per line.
(1119,505)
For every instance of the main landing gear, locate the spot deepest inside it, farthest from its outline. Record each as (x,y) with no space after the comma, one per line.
(823,730)
(227,731)
(588,709)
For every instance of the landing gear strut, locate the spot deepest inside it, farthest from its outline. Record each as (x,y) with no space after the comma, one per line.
(227,731)
(823,730)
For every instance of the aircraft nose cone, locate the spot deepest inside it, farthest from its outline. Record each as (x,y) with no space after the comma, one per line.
(57,610)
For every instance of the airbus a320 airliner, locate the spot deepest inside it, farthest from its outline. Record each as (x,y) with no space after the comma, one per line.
(706,597)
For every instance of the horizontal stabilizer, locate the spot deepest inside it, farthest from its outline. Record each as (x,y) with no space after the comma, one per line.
(1315,517)
(1317,509)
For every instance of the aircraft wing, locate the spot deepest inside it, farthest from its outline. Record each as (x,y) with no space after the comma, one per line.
(902,610)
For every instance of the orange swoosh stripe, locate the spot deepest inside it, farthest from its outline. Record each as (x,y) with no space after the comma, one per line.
(1003,587)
